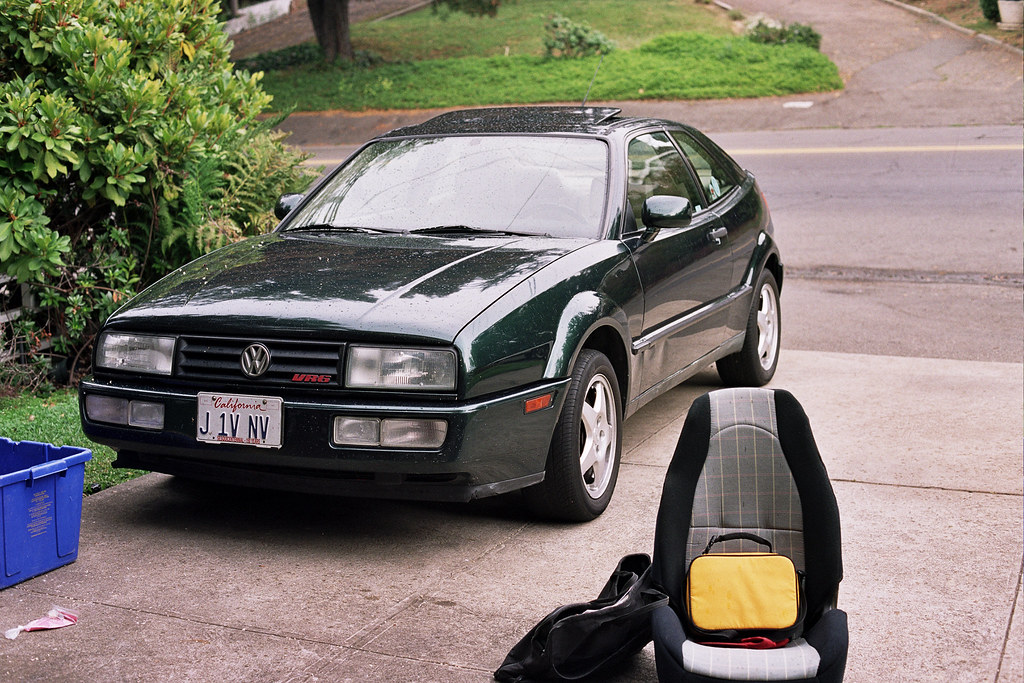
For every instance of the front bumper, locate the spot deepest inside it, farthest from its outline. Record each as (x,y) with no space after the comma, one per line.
(492,445)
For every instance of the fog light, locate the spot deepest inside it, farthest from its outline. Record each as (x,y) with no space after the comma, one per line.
(413,433)
(106,409)
(356,431)
(146,414)
(390,433)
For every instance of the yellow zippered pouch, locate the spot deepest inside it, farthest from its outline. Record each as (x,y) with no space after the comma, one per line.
(743,591)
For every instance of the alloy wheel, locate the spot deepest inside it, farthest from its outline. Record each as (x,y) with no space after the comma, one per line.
(598,437)
(767,327)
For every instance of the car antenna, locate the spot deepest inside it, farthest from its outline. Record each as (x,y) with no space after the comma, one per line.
(587,96)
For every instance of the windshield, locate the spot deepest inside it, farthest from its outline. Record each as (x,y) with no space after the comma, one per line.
(524,185)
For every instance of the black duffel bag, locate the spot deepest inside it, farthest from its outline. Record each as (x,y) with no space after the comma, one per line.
(576,640)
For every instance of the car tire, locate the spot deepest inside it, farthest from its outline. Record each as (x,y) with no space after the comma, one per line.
(754,365)
(583,461)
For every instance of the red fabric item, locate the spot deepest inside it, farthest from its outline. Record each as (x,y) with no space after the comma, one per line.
(752,643)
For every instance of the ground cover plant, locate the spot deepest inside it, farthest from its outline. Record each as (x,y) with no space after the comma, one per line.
(53,418)
(664,50)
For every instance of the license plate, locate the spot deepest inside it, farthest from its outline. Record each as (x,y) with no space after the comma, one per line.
(237,418)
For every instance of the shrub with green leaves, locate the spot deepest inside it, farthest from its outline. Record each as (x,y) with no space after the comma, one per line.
(771,33)
(130,146)
(990,9)
(570,39)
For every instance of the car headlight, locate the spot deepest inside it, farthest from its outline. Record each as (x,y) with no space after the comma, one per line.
(135,352)
(373,367)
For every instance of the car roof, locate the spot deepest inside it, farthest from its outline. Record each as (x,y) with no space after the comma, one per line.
(518,120)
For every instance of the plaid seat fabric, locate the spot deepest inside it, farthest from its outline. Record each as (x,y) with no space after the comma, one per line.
(746,483)
(796,661)
(729,473)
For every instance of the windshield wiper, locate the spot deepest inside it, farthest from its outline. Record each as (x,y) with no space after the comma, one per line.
(466,230)
(327,227)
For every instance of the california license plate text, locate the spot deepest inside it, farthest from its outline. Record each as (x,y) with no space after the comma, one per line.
(241,419)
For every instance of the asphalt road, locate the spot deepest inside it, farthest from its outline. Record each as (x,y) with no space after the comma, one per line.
(900,242)
(897,242)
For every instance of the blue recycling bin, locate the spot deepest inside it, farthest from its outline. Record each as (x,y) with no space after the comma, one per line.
(40,507)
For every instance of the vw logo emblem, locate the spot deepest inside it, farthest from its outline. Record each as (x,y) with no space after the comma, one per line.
(255,360)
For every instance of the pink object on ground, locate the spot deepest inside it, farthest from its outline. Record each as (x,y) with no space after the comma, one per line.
(57,617)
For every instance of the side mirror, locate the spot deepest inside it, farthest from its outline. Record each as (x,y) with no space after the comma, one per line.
(286,204)
(665,211)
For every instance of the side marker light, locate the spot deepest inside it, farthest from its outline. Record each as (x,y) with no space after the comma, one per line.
(532,405)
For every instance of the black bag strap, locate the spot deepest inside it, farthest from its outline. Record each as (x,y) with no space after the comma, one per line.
(737,536)
(629,570)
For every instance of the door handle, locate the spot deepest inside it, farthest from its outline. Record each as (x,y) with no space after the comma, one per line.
(719,234)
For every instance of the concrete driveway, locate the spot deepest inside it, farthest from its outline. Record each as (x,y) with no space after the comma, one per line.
(177,581)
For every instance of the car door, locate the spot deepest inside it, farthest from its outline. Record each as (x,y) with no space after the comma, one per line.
(732,199)
(684,270)
(736,199)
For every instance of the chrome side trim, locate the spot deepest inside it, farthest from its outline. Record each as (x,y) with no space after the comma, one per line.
(732,346)
(674,326)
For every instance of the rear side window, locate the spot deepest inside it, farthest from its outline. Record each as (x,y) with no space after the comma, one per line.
(716,176)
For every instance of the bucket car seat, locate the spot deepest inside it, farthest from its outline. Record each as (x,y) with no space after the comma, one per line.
(746,461)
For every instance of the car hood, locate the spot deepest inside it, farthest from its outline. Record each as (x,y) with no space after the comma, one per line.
(359,285)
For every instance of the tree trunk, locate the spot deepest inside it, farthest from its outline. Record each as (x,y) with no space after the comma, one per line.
(330,23)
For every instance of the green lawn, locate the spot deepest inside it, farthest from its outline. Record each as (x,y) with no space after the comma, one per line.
(667,50)
(54,419)
(519,27)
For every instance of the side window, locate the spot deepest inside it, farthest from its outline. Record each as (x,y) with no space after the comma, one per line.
(715,177)
(655,167)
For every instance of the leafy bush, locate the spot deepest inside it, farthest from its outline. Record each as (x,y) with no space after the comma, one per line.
(130,146)
(567,38)
(772,33)
(990,9)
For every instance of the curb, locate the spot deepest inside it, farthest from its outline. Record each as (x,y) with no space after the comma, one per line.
(956,27)
(406,10)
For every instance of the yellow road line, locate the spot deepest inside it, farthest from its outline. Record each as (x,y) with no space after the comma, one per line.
(881,150)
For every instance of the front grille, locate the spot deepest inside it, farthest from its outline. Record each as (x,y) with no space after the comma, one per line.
(314,364)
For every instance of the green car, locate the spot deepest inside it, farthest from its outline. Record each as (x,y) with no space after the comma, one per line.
(464,308)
